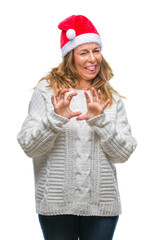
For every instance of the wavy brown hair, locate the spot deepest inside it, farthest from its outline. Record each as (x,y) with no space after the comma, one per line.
(66,76)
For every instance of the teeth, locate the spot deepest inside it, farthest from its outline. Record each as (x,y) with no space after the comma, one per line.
(91,68)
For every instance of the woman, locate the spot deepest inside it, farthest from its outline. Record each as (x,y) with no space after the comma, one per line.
(75,131)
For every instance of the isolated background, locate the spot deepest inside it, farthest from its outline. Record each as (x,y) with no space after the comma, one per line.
(29,48)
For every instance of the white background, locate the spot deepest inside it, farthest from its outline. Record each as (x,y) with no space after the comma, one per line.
(29,48)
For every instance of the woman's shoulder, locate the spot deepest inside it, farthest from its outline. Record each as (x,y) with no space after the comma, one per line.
(119,101)
(116,97)
(43,86)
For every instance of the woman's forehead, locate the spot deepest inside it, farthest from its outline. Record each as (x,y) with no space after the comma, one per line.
(87,46)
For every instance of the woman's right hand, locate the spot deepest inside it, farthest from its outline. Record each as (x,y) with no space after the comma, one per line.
(62,105)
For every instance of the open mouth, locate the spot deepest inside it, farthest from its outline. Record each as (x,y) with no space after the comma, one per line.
(91,68)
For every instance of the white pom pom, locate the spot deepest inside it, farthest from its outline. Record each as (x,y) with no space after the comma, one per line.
(70,34)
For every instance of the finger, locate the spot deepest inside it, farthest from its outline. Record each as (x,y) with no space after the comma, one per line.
(87,97)
(94,96)
(106,104)
(57,94)
(75,114)
(84,117)
(69,98)
(53,100)
(62,93)
(99,96)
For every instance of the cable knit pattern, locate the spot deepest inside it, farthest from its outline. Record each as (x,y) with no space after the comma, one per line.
(115,134)
(74,160)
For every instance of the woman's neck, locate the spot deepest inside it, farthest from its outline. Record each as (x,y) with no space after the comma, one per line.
(83,86)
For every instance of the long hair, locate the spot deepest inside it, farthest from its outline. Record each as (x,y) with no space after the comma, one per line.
(66,76)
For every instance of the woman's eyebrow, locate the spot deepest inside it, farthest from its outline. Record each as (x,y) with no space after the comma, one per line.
(97,48)
(84,50)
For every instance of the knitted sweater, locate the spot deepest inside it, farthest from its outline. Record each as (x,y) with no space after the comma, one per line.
(74,161)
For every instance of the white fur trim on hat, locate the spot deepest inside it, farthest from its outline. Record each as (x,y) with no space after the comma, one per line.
(81,39)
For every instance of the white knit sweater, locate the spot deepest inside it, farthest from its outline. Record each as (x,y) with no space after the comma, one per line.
(74,160)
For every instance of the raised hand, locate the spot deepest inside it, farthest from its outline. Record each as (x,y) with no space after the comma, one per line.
(94,107)
(62,105)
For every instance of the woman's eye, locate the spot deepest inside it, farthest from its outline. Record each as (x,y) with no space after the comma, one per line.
(97,50)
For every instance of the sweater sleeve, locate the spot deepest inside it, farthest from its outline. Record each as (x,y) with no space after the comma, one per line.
(116,139)
(41,127)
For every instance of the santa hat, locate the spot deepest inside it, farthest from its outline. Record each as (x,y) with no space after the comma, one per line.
(77,30)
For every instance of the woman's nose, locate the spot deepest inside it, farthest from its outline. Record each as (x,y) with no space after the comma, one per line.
(91,57)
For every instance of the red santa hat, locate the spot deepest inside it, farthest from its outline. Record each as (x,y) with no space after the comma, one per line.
(77,30)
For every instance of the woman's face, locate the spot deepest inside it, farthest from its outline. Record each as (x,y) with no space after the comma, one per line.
(87,60)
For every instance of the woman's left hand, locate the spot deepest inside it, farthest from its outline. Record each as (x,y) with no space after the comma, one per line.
(95,107)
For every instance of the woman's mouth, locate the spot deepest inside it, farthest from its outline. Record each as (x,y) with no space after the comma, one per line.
(91,69)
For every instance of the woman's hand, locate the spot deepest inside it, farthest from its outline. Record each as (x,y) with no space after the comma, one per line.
(62,105)
(95,107)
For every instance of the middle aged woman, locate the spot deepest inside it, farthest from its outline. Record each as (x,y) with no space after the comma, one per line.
(75,131)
